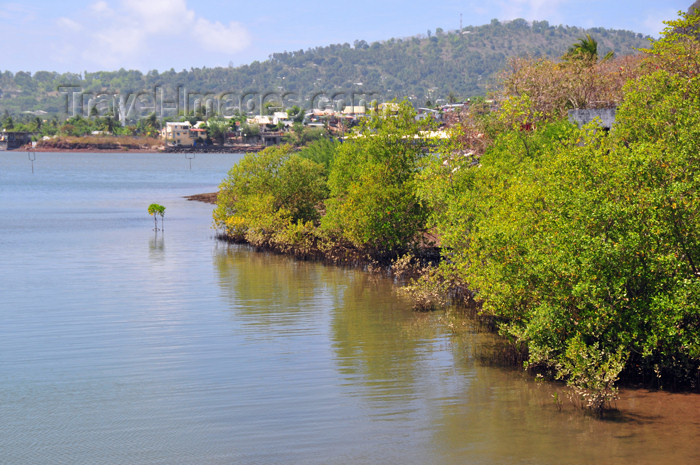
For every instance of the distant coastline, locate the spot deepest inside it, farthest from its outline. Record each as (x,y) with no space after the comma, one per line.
(86,148)
(29,148)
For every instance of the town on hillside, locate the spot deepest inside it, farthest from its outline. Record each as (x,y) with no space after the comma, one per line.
(197,132)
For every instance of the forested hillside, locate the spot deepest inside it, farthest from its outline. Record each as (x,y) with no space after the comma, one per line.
(424,68)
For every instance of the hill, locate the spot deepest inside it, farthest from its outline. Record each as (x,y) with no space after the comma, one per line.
(440,65)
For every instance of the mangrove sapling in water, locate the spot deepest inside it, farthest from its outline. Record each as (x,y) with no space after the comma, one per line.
(161,212)
(154,210)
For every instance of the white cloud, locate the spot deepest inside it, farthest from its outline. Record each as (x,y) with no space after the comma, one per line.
(101,7)
(119,42)
(160,16)
(217,37)
(11,10)
(654,22)
(69,24)
(135,33)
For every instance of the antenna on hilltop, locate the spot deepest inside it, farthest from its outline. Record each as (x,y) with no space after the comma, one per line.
(460,22)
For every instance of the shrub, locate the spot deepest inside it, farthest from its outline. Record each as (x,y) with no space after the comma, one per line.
(555,87)
(322,151)
(372,200)
(267,192)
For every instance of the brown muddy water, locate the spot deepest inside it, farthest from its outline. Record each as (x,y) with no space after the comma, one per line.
(121,345)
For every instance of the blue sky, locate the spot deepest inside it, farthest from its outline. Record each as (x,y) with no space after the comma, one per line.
(92,35)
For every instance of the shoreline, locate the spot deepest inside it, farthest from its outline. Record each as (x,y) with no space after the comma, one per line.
(82,150)
(232,149)
(631,391)
(629,388)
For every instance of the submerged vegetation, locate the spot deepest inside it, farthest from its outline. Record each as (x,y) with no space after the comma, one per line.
(582,246)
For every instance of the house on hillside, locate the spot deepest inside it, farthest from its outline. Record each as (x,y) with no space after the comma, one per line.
(274,119)
(355,110)
(260,120)
(280,117)
(388,108)
(177,133)
(425,113)
(183,133)
(198,135)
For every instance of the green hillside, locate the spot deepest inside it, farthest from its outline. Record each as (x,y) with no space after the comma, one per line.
(438,65)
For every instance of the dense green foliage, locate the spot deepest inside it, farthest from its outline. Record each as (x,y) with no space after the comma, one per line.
(364,187)
(585,245)
(372,200)
(321,151)
(443,65)
(267,195)
(78,126)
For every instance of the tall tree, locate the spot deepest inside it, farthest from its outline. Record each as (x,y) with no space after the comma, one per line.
(585,49)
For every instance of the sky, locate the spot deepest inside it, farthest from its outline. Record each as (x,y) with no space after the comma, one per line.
(106,35)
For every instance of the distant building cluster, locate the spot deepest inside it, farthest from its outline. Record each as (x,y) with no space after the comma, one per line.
(266,130)
(269,129)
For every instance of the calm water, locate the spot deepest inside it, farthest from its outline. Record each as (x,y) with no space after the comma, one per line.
(122,346)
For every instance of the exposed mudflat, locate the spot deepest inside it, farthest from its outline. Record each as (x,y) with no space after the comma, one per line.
(207,198)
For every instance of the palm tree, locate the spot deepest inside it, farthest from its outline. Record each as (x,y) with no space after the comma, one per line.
(585,49)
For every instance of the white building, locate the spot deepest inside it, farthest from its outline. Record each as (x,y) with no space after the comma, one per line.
(177,133)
